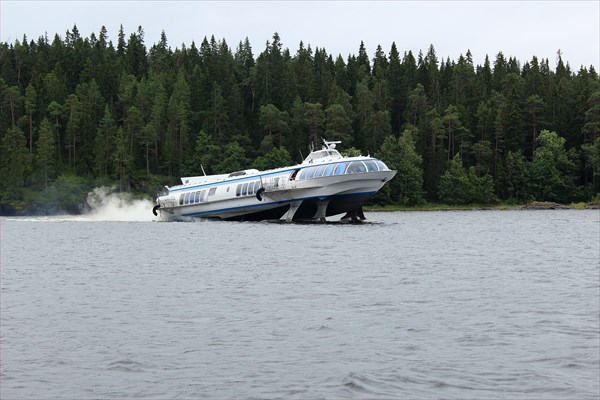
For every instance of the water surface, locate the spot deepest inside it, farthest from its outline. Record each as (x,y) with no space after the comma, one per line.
(476,304)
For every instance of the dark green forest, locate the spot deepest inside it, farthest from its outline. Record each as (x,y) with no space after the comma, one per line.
(79,112)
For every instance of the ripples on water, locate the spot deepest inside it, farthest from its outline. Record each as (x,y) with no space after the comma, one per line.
(480,304)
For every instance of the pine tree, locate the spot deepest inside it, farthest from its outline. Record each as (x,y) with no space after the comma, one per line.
(396,92)
(74,125)
(455,132)
(14,162)
(535,110)
(314,119)
(158,115)
(55,110)
(13,98)
(44,151)
(104,143)
(178,114)
(30,107)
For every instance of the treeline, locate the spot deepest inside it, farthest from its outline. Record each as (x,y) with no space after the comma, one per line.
(78,112)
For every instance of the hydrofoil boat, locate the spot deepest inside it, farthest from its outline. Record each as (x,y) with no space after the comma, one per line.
(323,185)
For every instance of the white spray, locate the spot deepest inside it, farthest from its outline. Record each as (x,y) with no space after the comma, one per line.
(107,205)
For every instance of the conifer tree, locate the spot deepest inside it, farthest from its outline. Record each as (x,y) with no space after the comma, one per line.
(104,143)
(30,107)
(74,122)
(273,121)
(55,110)
(45,150)
(14,161)
(314,119)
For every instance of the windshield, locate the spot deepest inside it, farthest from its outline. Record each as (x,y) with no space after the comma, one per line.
(322,155)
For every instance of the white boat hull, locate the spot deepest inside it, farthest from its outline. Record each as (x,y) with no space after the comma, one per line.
(343,194)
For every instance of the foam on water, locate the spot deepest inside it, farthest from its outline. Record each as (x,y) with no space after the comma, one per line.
(105,204)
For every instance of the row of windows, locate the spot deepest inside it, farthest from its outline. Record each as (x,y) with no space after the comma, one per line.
(342,168)
(196,197)
(247,189)
(250,188)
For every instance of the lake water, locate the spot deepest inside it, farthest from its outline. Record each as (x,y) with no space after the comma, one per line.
(475,304)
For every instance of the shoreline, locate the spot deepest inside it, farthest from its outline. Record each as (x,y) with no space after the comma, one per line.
(535,205)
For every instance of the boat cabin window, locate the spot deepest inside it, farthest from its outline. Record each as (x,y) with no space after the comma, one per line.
(197,198)
(371,166)
(202,196)
(329,170)
(311,172)
(320,171)
(322,154)
(247,189)
(316,155)
(356,167)
(340,168)
(381,165)
(337,169)
(181,199)
(302,174)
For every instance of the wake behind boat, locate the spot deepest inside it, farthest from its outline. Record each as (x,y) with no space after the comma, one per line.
(324,184)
